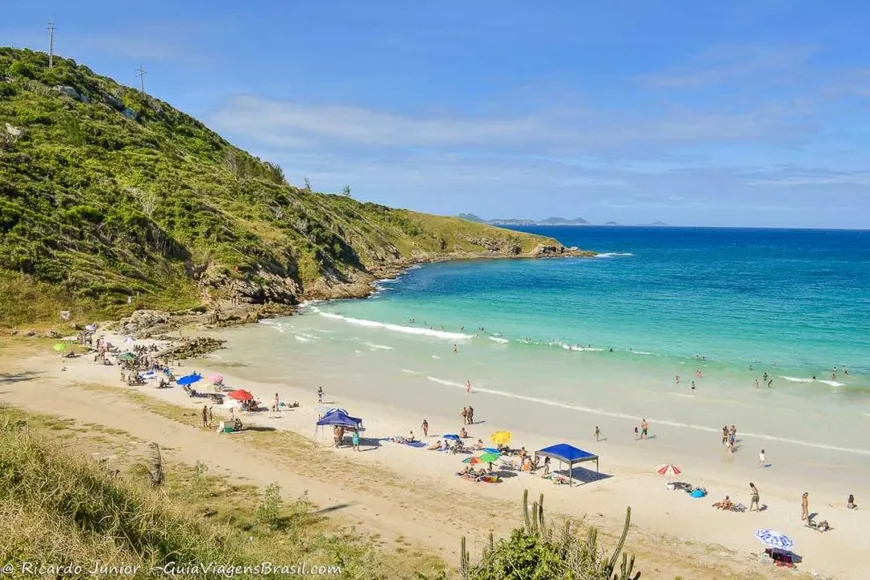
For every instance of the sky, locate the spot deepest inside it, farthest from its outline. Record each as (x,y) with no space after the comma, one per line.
(738,113)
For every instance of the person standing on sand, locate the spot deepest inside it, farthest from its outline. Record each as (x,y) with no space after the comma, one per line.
(470,415)
(754,498)
(464,415)
(756,383)
(320,395)
(204,416)
(644,430)
(425,427)
(805,506)
(354,439)
(597,433)
(636,436)
(210,416)
(762,459)
(277,403)
(455,348)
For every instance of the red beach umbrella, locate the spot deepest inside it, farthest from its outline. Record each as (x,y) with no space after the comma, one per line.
(669,469)
(241,395)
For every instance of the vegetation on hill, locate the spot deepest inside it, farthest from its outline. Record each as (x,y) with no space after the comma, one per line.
(111,199)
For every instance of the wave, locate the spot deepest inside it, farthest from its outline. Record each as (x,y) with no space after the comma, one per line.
(435,356)
(614,255)
(642,352)
(833,383)
(374,346)
(442,334)
(410,372)
(386,280)
(301,338)
(796,379)
(600,412)
(499,340)
(803,380)
(576,347)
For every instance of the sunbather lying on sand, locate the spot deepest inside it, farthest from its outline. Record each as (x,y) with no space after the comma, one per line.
(436,446)
(725,504)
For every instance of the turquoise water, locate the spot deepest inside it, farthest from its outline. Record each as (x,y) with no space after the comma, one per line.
(792,302)
(728,304)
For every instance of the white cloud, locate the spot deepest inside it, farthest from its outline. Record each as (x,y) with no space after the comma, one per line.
(285,124)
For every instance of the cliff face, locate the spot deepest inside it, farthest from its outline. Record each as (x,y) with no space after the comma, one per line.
(111,199)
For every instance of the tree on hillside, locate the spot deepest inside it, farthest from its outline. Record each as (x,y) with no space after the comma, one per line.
(307,185)
(346,191)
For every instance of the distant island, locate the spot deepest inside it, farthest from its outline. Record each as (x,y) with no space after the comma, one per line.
(551,221)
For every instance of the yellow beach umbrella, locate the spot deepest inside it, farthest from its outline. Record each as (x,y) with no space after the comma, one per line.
(501,437)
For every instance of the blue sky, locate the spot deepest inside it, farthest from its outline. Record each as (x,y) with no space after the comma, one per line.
(748,113)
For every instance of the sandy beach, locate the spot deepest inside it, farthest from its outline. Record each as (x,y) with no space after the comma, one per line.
(672,533)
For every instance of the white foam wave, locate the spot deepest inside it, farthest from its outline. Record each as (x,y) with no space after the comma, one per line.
(435,356)
(374,346)
(499,339)
(455,336)
(669,423)
(415,267)
(642,352)
(577,347)
(301,338)
(832,383)
(796,379)
(614,255)
(446,382)
(410,372)
(387,280)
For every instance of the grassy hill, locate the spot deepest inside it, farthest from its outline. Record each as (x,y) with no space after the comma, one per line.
(111,199)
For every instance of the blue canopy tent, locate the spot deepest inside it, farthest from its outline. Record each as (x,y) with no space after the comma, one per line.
(340,418)
(570,455)
(189,379)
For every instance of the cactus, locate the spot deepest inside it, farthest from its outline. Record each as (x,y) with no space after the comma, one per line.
(541,515)
(463,560)
(491,542)
(526,511)
(611,565)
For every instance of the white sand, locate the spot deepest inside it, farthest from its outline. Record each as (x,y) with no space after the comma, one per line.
(629,468)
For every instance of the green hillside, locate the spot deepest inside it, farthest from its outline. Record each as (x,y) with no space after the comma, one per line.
(111,199)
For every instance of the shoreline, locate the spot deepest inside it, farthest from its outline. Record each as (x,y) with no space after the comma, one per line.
(629,473)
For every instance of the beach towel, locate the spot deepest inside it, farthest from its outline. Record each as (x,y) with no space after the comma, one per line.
(413,443)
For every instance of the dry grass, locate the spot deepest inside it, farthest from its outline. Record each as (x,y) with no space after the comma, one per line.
(58,507)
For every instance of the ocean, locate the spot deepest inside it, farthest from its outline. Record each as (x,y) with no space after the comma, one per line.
(615,338)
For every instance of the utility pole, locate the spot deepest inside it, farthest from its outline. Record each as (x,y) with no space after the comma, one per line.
(51,30)
(141,72)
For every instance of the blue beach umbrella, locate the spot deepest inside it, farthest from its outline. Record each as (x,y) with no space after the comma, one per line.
(491,450)
(189,379)
(774,539)
(452,437)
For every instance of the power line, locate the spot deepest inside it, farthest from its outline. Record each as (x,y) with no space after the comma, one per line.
(51,30)
(141,72)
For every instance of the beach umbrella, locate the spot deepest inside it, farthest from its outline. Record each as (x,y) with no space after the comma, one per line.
(127,356)
(489,457)
(501,437)
(451,436)
(189,379)
(148,375)
(669,469)
(241,395)
(774,539)
(60,347)
(491,450)
(473,460)
(217,379)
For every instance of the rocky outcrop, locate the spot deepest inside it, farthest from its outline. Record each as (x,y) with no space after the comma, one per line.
(145,323)
(194,348)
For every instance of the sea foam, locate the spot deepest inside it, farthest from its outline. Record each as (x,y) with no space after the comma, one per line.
(442,334)
(499,339)
(614,255)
